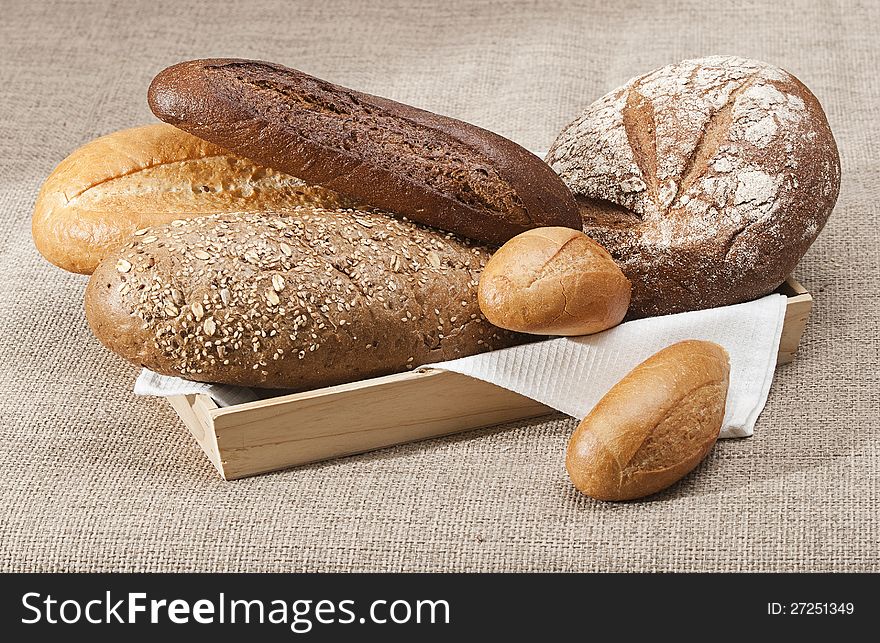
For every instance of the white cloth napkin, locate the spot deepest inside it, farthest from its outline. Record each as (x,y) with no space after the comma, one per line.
(571,374)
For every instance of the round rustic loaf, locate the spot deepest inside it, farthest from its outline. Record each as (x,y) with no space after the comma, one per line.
(553,281)
(706,180)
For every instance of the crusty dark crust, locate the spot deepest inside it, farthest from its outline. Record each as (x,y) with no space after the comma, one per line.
(432,169)
(297,300)
(707,180)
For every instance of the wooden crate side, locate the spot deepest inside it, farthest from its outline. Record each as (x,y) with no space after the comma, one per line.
(267,437)
(195,412)
(797,312)
(791,287)
(290,430)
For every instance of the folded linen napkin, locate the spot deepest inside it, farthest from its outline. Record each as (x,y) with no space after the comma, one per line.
(571,374)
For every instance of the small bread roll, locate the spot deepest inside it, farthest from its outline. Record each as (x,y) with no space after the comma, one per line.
(553,281)
(654,426)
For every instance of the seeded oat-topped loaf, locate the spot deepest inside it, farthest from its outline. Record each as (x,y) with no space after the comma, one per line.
(706,180)
(296,300)
(432,169)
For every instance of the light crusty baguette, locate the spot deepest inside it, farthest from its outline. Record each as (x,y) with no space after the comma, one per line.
(553,281)
(653,426)
(104,191)
(706,180)
(304,300)
(432,169)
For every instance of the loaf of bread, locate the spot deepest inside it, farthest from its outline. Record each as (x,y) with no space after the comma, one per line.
(706,180)
(431,169)
(654,426)
(553,281)
(297,300)
(99,195)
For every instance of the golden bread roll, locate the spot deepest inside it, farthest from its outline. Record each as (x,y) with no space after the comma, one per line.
(653,426)
(553,281)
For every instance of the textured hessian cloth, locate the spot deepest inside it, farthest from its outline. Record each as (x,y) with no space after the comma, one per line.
(94,478)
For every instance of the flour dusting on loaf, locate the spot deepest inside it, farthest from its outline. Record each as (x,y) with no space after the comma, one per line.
(707,179)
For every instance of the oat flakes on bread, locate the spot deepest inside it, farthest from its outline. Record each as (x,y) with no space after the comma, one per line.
(297,300)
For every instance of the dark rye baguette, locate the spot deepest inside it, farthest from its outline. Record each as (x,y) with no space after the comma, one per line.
(296,300)
(429,168)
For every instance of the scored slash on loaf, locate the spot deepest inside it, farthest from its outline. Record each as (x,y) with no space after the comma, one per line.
(117,184)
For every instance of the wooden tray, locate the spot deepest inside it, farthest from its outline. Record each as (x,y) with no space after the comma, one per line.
(289,430)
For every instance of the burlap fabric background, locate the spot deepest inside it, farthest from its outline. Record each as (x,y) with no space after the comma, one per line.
(93,478)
